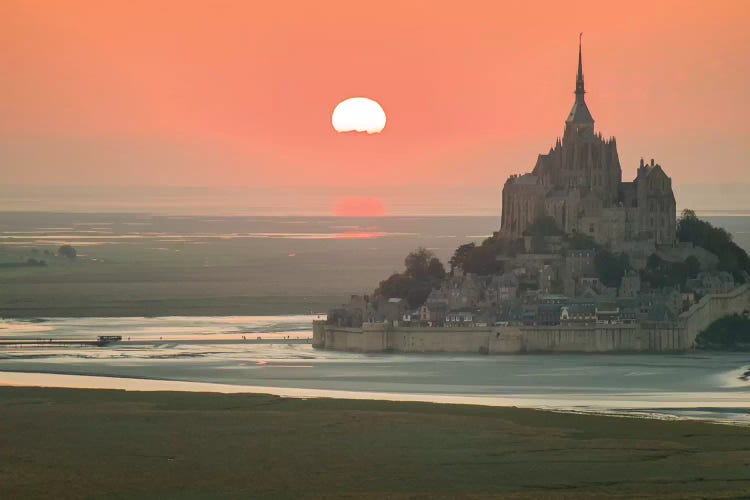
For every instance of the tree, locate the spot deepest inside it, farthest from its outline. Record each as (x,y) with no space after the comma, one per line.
(423,272)
(544,225)
(611,267)
(418,263)
(460,255)
(483,260)
(580,241)
(728,333)
(67,251)
(396,285)
(692,266)
(418,294)
(660,273)
(732,258)
(435,269)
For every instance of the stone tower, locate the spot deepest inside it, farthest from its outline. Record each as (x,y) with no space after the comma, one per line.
(579,184)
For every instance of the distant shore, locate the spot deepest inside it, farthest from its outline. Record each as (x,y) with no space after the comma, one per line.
(70,443)
(114,307)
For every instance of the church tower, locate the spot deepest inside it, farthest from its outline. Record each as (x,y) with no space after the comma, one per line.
(578,183)
(580,119)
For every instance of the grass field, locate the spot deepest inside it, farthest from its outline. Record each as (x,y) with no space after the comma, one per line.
(64,443)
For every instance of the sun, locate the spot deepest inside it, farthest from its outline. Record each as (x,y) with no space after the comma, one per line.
(358,114)
(358,206)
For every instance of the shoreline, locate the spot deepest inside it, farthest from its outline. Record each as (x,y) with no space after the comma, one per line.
(625,405)
(72,443)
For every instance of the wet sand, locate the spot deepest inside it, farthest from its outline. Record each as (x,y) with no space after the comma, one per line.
(719,408)
(72,443)
(223,354)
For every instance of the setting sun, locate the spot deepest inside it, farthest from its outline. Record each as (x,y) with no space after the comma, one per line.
(358,114)
(359,206)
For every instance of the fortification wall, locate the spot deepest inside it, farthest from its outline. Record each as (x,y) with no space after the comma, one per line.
(498,340)
(349,339)
(582,339)
(656,337)
(319,334)
(713,307)
(457,340)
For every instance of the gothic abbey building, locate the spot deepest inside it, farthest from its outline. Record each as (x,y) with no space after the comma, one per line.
(579,184)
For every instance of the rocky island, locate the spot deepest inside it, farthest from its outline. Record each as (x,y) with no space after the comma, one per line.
(582,261)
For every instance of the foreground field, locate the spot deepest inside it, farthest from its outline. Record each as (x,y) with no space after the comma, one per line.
(65,443)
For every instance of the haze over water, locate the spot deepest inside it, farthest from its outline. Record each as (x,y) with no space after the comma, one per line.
(405,201)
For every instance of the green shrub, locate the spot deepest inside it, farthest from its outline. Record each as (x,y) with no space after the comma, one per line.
(728,333)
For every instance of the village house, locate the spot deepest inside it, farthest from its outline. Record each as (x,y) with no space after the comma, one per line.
(607,314)
(547,279)
(630,286)
(462,317)
(707,282)
(433,313)
(505,286)
(580,263)
(393,310)
(579,313)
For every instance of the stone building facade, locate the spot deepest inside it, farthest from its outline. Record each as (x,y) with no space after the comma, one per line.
(579,184)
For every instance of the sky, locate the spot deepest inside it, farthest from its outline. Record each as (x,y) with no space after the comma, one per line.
(233,94)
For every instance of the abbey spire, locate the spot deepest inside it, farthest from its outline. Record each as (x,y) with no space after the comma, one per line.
(578,183)
(580,116)
(579,78)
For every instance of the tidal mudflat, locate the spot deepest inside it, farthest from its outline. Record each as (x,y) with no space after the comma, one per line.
(157,265)
(272,354)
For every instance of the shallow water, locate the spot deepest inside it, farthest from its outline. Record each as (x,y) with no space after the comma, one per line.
(272,354)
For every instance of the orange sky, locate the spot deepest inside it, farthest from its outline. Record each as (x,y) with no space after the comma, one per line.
(241,93)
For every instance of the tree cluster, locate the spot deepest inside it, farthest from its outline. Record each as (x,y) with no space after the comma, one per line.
(728,333)
(732,258)
(544,225)
(610,267)
(660,273)
(580,241)
(482,259)
(67,251)
(423,272)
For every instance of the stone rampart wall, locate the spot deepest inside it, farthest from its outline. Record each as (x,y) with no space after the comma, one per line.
(496,340)
(458,340)
(713,307)
(657,337)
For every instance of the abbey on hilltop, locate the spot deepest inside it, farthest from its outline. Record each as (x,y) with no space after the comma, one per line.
(579,184)
(583,262)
